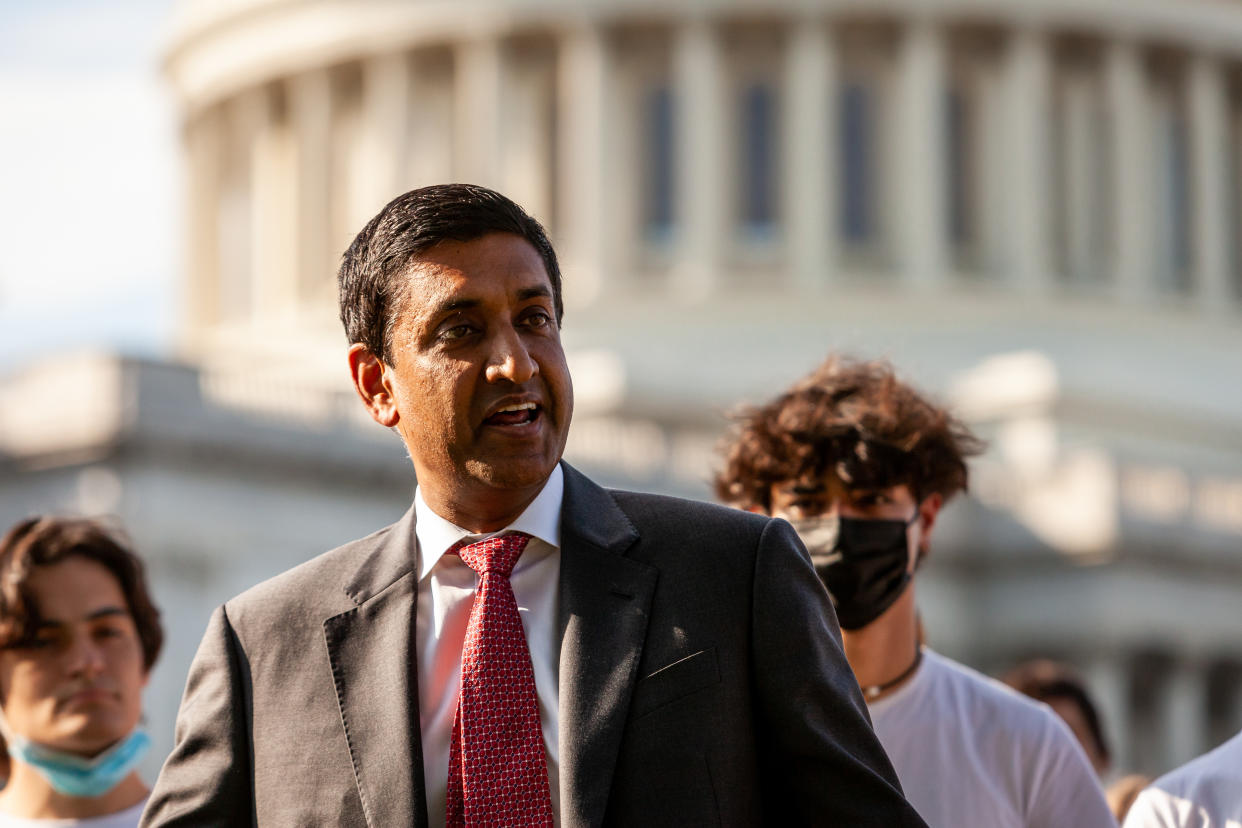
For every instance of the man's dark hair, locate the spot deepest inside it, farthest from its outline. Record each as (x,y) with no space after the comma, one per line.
(856,420)
(1045,681)
(371,279)
(43,541)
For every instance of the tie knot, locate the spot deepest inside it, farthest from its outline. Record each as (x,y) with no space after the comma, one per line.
(497,554)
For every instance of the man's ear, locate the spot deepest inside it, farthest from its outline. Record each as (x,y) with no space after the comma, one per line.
(929,510)
(371,382)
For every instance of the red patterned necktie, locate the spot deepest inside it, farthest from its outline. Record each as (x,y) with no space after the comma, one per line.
(497,771)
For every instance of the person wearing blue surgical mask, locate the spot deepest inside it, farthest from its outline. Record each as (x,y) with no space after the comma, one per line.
(861,464)
(78,637)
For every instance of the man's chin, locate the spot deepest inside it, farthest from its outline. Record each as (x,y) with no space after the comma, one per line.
(514,474)
(90,742)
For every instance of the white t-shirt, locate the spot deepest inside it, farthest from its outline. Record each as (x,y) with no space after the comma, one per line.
(1204,793)
(970,751)
(121,819)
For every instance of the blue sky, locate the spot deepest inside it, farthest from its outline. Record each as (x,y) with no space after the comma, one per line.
(90,202)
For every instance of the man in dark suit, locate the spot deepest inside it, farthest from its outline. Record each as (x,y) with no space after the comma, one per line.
(686,664)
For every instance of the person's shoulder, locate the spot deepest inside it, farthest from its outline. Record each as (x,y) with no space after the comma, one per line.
(993,702)
(645,504)
(322,585)
(1218,770)
(1156,808)
(659,512)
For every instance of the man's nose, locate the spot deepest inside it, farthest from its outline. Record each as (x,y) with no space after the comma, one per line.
(86,658)
(510,360)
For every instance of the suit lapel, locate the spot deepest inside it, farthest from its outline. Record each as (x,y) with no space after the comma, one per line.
(371,651)
(604,601)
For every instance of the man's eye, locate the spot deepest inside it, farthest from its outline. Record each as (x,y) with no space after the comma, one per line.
(538,319)
(869,498)
(456,332)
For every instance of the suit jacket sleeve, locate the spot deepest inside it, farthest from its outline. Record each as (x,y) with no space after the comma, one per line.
(821,761)
(206,778)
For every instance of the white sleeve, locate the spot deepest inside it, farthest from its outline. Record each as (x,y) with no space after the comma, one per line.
(1066,791)
(1156,809)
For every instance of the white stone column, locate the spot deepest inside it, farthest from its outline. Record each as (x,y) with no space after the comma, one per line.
(588,165)
(923,243)
(1132,170)
(702,187)
(810,132)
(429,144)
(240,220)
(1209,148)
(479,107)
(1108,679)
(526,151)
(1183,714)
(385,115)
(204,146)
(310,116)
(274,210)
(1030,114)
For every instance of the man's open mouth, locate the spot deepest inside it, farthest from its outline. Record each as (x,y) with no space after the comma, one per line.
(515,415)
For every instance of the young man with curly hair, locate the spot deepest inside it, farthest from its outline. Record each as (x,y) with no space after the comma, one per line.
(862,464)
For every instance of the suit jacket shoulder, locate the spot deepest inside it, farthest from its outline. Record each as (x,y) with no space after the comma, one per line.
(329,583)
(296,696)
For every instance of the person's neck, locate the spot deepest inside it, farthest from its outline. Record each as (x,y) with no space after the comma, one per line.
(29,796)
(484,511)
(884,650)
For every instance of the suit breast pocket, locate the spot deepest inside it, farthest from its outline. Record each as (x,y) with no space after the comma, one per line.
(675,681)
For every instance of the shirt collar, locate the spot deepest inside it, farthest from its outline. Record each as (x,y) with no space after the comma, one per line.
(541,519)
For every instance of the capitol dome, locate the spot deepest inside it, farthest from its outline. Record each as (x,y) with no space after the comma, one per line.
(1031,206)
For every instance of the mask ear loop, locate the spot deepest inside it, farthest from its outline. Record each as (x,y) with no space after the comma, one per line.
(918,552)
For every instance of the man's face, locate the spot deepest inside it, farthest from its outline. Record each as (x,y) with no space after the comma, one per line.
(78,687)
(1072,715)
(478,375)
(829,496)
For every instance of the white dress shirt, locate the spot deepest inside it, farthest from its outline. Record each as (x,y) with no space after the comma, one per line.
(446,588)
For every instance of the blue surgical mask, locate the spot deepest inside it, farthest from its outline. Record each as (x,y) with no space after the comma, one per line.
(75,776)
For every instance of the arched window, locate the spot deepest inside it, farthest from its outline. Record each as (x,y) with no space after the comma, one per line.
(864,142)
(858,143)
(658,189)
(1082,212)
(758,178)
(1171,168)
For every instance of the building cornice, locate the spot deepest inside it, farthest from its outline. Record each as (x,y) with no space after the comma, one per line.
(218,49)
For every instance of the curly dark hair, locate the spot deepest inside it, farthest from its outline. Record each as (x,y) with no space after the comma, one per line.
(43,541)
(854,419)
(370,282)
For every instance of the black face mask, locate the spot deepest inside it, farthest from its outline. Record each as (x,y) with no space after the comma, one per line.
(863,563)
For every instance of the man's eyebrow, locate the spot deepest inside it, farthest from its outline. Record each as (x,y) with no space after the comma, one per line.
(106,612)
(807,489)
(102,612)
(455,305)
(534,292)
(523,295)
